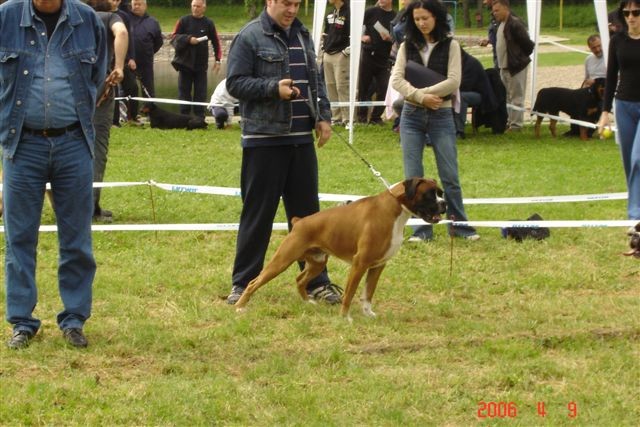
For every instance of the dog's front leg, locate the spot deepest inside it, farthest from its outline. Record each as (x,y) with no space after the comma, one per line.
(552,127)
(373,275)
(583,133)
(355,275)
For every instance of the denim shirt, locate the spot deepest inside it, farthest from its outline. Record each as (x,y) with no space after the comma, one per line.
(258,59)
(82,47)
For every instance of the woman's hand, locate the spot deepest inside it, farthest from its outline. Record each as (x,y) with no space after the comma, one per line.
(432,102)
(603,122)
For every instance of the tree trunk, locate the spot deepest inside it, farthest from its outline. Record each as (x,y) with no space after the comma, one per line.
(465,12)
(479,14)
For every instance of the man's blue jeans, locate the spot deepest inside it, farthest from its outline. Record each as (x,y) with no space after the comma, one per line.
(628,122)
(66,162)
(467,99)
(421,126)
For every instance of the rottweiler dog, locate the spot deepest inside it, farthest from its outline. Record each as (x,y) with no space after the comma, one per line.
(163,119)
(579,104)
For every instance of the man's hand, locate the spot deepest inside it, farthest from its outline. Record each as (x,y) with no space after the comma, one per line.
(115,77)
(132,64)
(287,90)
(216,67)
(323,132)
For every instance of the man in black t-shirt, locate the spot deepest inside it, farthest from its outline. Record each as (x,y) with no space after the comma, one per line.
(117,43)
(190,40)
(374,62)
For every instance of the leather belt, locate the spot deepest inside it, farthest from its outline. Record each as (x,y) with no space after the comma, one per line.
(51,131)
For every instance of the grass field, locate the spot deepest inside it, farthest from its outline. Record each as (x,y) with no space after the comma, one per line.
(554,322)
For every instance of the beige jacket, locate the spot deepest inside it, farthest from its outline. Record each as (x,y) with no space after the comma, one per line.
(444,88)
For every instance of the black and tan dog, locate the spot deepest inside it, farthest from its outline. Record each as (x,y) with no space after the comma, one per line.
(634,241)
(579,104)
(163,119)
(365,233)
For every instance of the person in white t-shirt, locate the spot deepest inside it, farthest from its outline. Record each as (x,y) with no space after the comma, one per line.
(594,66)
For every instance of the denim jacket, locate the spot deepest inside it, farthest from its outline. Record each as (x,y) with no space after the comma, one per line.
(258,59)
(84,50)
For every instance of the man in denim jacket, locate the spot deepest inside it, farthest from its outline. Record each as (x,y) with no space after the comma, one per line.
(53,57)
(272,71)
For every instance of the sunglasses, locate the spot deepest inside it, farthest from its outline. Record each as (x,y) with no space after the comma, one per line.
(634,12)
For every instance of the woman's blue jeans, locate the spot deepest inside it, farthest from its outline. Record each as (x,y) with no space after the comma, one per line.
(420,127)
(628,123)
(66,162)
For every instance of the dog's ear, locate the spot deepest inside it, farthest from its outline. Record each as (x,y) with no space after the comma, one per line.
(410,186)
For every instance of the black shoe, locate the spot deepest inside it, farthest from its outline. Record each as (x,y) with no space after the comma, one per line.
(234,296)
(102,215)
(20,339)
(329,293)
(75,337)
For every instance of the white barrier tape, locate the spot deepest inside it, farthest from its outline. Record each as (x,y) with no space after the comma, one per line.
(283,226)
(567,47)
(329,197)
(564,119)
(103,184)
(545,199)
(160,100)
(202,189)
(558,118)
(359,104)
(206,104)
(537,224)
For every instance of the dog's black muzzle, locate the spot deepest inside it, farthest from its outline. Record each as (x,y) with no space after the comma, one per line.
(431,207)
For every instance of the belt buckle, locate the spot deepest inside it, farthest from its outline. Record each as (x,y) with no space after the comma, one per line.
(44,133)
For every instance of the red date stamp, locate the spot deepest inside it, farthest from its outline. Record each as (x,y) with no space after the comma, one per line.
(510,409)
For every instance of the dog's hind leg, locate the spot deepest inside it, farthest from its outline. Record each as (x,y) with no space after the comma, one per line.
(287,253)
(373,275)
(537,127)
(552,127)
(315,262)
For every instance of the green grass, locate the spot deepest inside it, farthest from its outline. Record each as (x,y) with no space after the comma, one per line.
(553,321)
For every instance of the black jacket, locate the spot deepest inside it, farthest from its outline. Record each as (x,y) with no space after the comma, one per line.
(519,45)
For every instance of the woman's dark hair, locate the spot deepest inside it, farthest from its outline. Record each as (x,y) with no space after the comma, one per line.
(441,29)
(624,4)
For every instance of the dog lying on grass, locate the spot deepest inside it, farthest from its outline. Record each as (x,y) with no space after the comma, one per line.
(634,242)
(163,119)
(579,104)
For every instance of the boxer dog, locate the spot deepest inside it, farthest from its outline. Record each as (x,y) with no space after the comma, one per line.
(365,233)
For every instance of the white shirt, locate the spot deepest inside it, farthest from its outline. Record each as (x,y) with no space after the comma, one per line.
(595,67)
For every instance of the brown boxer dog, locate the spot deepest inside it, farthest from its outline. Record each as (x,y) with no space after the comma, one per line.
(365,233)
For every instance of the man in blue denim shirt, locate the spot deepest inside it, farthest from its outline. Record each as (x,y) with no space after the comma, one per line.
(53,57)
(272,70)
